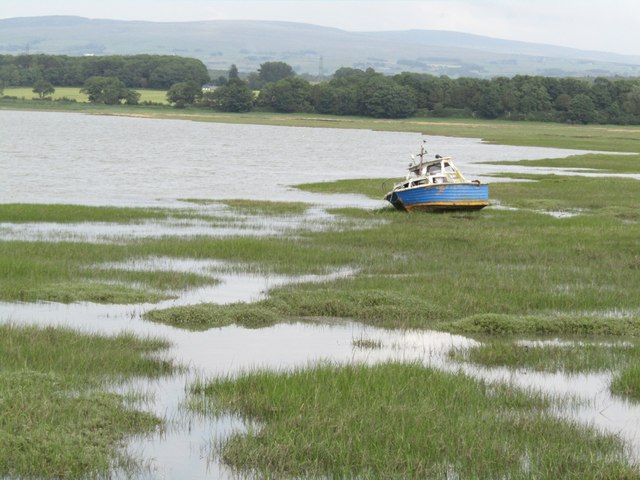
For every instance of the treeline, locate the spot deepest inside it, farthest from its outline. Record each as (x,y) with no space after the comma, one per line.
(350,91)
(135,71)
(357,92)
(523,97)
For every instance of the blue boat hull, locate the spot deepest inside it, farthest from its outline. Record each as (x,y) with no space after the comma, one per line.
(448,196)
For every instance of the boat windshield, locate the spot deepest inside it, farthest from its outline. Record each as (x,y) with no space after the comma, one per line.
(433,169)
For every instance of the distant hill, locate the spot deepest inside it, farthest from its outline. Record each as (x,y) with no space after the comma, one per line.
(308,48)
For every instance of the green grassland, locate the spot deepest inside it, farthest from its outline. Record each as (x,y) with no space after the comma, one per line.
(599,163)
(493,271)
(61,213)
(56,418)
(71,271)
(73,93)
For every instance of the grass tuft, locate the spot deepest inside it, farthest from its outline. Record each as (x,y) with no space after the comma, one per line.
(209,315)
(502,324)
(627,382)
(570,357)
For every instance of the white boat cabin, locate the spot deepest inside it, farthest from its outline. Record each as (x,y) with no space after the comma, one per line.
(432,172)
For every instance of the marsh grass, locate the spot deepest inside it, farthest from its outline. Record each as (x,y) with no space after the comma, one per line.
(18,213)
(599,162)
(88,291)
(627,382)
(366,343)
(621,359)
(570,357)
(205,316)
(483,272)
(596,324)
(400,421)
(255,207)
(373,188)
(491,270)
(61,213)
(162,281)
(67,272)
(56,418)
(587,194)
(37,270)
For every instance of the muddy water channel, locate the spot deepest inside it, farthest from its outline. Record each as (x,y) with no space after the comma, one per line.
(95,160)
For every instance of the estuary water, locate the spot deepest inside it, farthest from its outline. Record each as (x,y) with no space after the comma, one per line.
(48,157)
(102,160)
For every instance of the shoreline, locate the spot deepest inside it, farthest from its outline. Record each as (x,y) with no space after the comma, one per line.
(520,133)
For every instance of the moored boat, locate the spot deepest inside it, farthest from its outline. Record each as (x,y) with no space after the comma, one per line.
(437,185)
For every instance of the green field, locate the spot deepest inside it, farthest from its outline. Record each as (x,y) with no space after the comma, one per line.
(73,93)
(498,275)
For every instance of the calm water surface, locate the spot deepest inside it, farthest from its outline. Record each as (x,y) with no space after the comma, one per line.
(50,157)
(100,160)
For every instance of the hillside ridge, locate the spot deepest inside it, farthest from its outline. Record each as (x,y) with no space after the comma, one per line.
(309,48)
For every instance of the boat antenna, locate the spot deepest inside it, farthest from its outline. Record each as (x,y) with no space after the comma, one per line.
(423,152)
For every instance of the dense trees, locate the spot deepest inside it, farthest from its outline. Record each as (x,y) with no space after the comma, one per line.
(632,100)
(43,88)
(288,95)
(135,71)
(358,92)
(234,95)
(109,90)
(581,109)
(182,94)
(525,97)
(351,91)
(270,72)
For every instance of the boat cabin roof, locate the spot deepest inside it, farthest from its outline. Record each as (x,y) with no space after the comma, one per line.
(431,165)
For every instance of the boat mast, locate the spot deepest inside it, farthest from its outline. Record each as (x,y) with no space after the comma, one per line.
(422,153)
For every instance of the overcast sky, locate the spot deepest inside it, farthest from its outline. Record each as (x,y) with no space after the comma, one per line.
(612,25)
